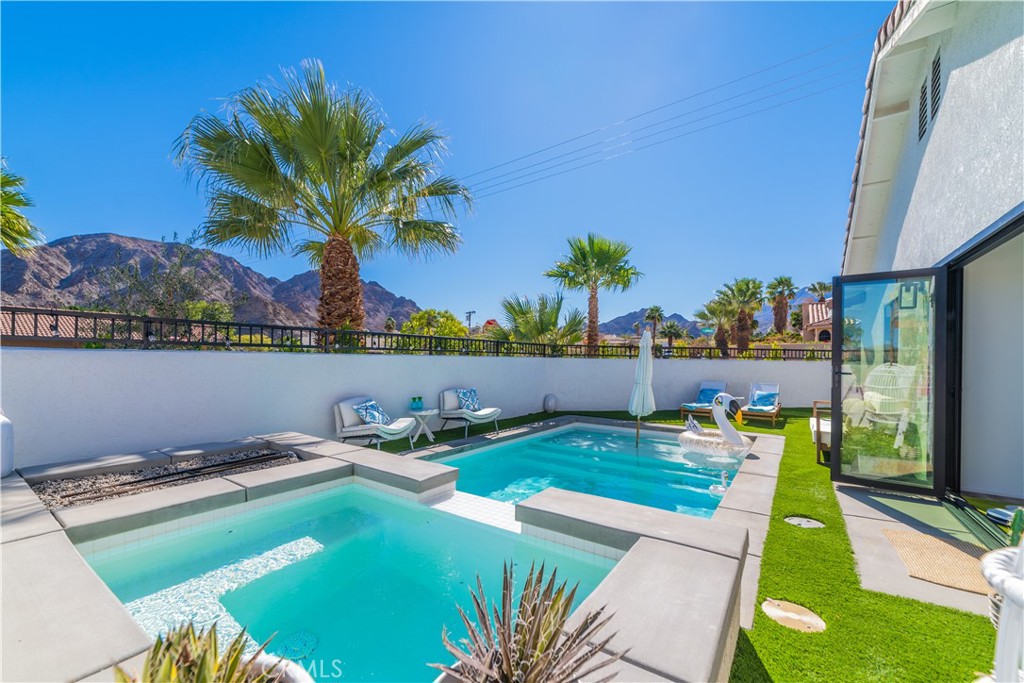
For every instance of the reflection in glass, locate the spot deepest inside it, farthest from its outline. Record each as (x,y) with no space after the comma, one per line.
(887,382)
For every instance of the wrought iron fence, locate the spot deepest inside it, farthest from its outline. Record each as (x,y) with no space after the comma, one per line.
(91,329)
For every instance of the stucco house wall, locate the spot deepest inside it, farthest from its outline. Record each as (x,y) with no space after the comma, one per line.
(968,169)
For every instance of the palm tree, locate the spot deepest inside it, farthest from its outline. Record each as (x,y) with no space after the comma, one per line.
(16,231)
(655,316)
(541,321)
(781,291)
(307,157)
(595,263)
(718,315)
(673,331)
(820,290)
(744,296)
(390,324)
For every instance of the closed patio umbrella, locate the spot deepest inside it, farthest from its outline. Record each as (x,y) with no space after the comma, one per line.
(641,401)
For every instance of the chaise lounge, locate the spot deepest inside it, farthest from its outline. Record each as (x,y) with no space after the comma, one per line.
(464,405)
(764,402)
(361,418)
(705,395)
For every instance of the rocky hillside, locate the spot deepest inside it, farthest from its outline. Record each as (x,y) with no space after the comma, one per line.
(68,272)
(624,323)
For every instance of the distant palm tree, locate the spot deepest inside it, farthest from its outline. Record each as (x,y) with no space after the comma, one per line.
(16,231)
(306,156)
(541,321)
(390,324)
(672,330)
(717,314)
(781,291)
(654,315)
(820,290)
(595,263)
(743,297)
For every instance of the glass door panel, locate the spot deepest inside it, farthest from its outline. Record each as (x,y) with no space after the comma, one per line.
(886,379)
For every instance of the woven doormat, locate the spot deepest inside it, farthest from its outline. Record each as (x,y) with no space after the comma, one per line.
(945,561)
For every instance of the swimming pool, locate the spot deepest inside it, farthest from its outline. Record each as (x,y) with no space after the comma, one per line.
(600,461)
(353,584)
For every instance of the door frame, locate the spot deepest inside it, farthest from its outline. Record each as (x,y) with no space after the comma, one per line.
(940,380)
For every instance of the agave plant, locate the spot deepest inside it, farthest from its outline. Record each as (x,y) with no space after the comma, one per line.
(185,655)
(528,643)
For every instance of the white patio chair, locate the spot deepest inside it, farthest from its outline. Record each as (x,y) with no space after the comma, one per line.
(350,426)
(702,403)
(448,402)
(754,408)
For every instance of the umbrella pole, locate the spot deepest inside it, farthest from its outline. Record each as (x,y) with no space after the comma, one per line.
(638,431)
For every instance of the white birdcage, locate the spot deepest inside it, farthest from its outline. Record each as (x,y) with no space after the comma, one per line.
(887,392)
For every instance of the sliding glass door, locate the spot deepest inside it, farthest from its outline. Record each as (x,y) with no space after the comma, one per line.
(888,387)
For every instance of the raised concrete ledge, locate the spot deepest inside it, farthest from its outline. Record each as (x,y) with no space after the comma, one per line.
(90,466)
(22,514)
(675,607)
(60,622)
(289,440)
(407,474)
(117,515)
(213,448)
(283,478)
(326,448)
(620,525)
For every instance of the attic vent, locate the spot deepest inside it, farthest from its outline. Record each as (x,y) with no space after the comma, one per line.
(936,81)
(922,111)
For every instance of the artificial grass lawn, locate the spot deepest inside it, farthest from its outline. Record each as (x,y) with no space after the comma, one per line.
(869,636)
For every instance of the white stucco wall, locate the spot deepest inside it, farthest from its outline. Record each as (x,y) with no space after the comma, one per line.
(992,438)
(68,404)
(968,170)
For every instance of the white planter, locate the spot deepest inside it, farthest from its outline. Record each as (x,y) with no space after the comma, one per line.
(6,446)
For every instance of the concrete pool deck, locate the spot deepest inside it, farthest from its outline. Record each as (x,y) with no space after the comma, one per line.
(687,579)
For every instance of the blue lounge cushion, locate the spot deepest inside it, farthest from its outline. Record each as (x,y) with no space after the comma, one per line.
(706,396)
(764,399)
(371,413)
(468,399)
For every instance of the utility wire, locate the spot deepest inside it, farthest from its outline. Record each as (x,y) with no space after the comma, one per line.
(670,139)
(490,184)
(487,181)
(771,67)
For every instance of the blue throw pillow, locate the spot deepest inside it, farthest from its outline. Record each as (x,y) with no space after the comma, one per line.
(371,413)
(764,399)
(468,400)
(706,396)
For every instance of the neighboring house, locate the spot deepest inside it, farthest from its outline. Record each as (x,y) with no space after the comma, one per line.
(932,285)
(817,319)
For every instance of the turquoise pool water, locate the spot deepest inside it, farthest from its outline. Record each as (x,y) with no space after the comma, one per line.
(355,585)
(603,462)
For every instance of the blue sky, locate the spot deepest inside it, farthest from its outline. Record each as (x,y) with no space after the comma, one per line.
(93,96)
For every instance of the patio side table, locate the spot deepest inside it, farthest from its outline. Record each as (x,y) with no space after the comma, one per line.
(422,416)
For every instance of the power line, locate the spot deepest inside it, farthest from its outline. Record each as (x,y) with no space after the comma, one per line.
(771,67)
(490,185)
(672,118)
(675,137)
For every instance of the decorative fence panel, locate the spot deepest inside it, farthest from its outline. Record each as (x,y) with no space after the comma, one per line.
(25,326)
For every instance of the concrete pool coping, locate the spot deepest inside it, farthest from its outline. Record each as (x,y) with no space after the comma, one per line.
(106,635)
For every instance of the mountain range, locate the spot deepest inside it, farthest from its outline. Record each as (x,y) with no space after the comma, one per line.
(765,318)
(68,272)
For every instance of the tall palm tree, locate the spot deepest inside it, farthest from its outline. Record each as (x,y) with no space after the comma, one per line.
(672,330)
(744,296)
(717,314)
(595,263)
(820,289)
(306,157)
(654,315)
(16,231)
(781,291)
(539,321)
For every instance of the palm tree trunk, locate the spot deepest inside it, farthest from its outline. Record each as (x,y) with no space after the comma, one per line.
(341,290)
(781,311)
(722,341)
(593,335)
(743,330)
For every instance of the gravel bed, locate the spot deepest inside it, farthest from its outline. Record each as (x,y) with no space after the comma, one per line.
(54,493)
